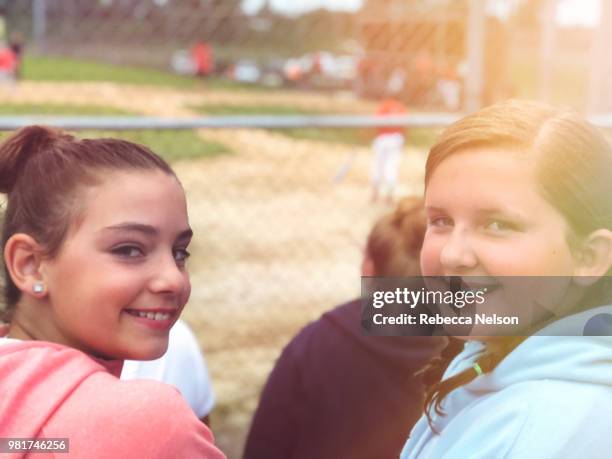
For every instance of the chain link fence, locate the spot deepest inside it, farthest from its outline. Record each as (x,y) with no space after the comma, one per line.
(280,214)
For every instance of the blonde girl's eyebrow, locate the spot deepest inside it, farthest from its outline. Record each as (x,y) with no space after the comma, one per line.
(500,212)
(486,211)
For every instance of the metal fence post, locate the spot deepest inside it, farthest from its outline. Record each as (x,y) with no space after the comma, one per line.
(475,52)
(39,23)
(600,92)
(547,48)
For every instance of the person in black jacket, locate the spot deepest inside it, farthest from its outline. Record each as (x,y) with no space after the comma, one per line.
(336,393)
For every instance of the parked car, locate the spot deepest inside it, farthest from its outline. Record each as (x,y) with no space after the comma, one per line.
(245,71)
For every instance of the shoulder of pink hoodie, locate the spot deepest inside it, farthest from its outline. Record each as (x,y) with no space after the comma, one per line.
(52,391)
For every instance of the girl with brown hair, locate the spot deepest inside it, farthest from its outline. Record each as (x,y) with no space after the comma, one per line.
(521,189)
(95,244)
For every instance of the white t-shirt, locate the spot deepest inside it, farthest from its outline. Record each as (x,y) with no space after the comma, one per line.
(7,340)
(182,366)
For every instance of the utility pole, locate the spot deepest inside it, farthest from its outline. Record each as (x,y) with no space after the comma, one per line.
(547,47)
(600,89)
(475,53)
(39,23)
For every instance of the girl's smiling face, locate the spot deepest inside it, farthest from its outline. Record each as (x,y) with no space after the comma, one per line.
(487,221)
(118,282)
(486,217)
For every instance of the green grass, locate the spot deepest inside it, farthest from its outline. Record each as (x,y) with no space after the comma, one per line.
(235,110)
(52,68)
(419,137)
(171,145)
(46,68)
(59,110)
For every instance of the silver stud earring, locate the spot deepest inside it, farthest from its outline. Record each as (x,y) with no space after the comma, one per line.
(38,287)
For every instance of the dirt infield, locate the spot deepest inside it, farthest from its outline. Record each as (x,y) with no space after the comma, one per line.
(277,241)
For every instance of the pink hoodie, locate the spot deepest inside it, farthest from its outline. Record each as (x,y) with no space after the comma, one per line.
(53,391)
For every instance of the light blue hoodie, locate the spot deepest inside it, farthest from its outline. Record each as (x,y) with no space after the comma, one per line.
(549,398)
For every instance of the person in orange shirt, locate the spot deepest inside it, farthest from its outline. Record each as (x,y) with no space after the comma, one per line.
(387,151)
(203,58)
(8,64)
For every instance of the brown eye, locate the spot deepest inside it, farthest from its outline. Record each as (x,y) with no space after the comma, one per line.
(440,222)
(181,255)
(500,225)
(128,251)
